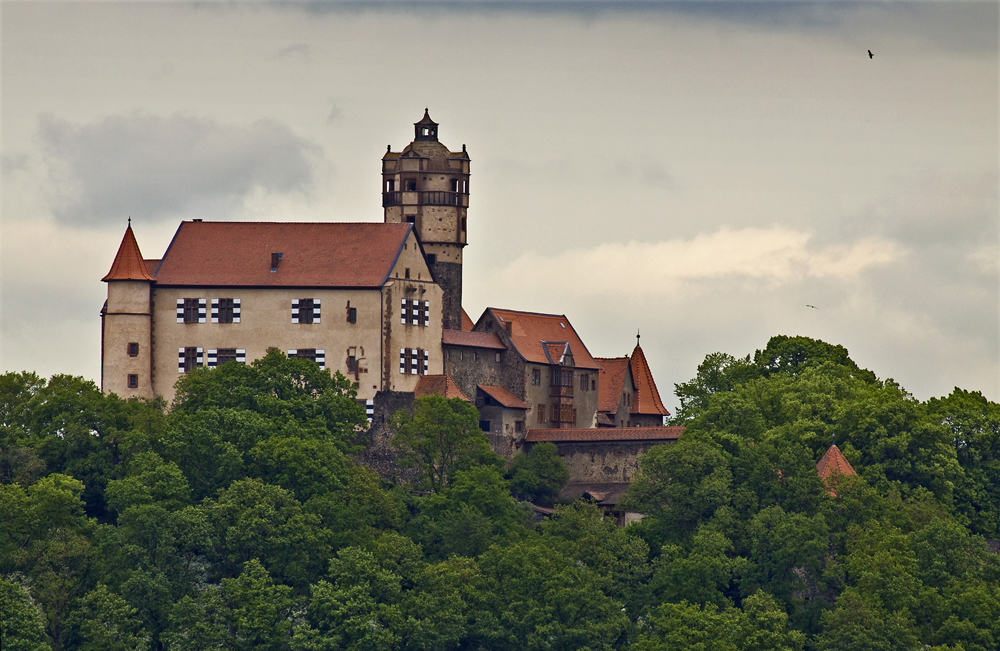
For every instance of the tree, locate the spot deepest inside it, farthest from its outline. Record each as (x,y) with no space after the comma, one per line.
(539,475)
(473,512)
(21,626)
(679,485)
(103,621)
(441,438)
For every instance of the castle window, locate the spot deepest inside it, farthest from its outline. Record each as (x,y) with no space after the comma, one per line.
(351,361)
(133,349)
(415,312)
(406,273)
(584,382)
(484,425)
(431,258)
(191,310)
(463,224)
(411,185)
(189,358)
(498,357)
(133,381)
(352,314)
(541,414)
(225,310)
(454,185)
(536,377)
(312,354)
(390,185)
(219,356)
(518,426)
(305,310)
(411,219)
(414,361)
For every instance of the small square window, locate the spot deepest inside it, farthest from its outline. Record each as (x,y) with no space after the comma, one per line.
(133,349)
(133,381)
(484,425)
(518,426)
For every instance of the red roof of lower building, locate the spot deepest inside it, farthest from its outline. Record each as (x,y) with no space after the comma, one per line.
(606,434)
(312,254)
(531,331)
(504,397)
(439,385)
(610,383)
(128,264)
(471,339)
(467,323)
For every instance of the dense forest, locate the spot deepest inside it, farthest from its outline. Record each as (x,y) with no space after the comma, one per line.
(239,519)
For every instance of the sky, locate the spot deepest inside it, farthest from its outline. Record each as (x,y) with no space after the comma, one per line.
(698,172)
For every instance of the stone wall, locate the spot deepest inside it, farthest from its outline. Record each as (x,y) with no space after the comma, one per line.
(603,461)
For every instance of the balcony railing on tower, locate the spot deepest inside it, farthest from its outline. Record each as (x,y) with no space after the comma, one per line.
(428,198)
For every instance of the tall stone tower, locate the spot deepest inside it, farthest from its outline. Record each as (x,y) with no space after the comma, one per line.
(428,186)
(127,324)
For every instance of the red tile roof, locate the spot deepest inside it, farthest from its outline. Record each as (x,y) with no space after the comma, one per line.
(151,266)
(471,339)
(610,383)
(439,385)
(646,399)
(314,254)
(128,264)
(529,331)
(606,434)
(504,397)
(834,463)
(467,322)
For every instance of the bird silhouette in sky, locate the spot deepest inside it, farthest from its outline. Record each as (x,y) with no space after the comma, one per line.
(812,306)
(870,55)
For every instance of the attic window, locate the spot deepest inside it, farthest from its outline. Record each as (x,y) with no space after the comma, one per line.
(562,325)
(275,259)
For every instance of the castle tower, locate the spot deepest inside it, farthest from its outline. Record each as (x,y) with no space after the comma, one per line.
(428,186)
(126,324)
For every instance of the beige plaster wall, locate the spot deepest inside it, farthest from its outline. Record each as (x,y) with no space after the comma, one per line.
(266,322)
(127,320)
(399,335)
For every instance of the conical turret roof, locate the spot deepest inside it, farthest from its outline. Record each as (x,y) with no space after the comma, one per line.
(832,467)
(128,264)
(647,398)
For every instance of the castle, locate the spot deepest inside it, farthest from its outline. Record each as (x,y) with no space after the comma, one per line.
(382,304)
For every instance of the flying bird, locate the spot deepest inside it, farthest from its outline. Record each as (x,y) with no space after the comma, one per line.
(812,306)
(870,55)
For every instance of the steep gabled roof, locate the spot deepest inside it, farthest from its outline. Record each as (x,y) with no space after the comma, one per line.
(471,339)
(313,254)
(504,397)
(529,331)
(128,264)
(606,434)
(834,463)
(467,322)
(646,399)
(439,385)
(610,382)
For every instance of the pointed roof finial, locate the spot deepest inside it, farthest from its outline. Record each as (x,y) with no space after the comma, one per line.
(637,337)
(130,221)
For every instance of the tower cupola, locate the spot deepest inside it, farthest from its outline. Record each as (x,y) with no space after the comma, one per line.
(426,129)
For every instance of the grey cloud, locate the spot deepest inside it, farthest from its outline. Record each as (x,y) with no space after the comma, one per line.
(300,50)
(160,167)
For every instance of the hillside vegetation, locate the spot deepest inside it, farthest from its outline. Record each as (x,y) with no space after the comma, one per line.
(239,519)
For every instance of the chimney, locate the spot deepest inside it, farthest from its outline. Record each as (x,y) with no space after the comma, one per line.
(508,325)
(275,259)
